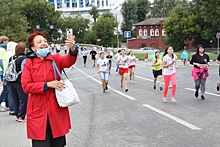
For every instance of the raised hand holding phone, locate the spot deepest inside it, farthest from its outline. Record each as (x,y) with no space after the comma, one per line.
(69,33)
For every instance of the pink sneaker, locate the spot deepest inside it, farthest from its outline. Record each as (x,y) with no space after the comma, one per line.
(17,118)
(21,119)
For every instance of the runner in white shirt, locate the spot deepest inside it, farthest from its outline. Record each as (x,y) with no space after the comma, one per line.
(132,63)
(84,55)
(123,69)
(169,72)
(102,68)
(116,58)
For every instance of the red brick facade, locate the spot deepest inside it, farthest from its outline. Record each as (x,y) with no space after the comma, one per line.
(149,34)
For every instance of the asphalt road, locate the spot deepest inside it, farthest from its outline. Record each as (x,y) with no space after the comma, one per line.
(137,118)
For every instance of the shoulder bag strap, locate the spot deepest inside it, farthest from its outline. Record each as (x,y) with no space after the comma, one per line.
(55,69)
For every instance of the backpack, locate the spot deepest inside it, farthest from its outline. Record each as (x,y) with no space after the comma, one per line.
(11,74)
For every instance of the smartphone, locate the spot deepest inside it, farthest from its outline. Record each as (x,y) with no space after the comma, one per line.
(69,33)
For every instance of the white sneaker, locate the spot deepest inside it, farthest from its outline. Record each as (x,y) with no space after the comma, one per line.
(132,82)
(2,109)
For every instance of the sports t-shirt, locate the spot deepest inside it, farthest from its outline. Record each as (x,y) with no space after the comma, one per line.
(132,60)
(170,69)
(84,53)
(199,59)
(93,53)
(123,60)
(109,57)
(103,64)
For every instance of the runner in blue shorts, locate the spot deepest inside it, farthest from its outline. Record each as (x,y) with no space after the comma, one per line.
(102,67)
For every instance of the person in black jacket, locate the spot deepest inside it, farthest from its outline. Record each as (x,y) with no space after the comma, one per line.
(18,95)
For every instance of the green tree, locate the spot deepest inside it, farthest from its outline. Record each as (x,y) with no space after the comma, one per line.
(90,37)
(185,23)
(108,14)
(143,9)
(94,12)
(42,13)
(104,29)
(129,14)
(79,25)
(209,10)
(12,23)
(162,8)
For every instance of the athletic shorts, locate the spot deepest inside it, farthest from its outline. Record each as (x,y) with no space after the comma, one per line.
(104,75)
(131,66)
(123,70)
(93,57)
(157,73)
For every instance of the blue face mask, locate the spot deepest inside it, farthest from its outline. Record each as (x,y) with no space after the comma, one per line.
(43,52)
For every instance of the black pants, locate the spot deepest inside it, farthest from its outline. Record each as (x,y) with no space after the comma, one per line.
(50,141)
(84,59)
(19,99)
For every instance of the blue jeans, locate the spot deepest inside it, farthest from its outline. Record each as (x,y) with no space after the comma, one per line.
(6,97)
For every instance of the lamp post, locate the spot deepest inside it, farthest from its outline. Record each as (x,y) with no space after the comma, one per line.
(117,32)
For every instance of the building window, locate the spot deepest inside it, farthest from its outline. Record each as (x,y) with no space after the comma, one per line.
(140,32)
(163,32)
(145,32)
(152,32)
(156,32)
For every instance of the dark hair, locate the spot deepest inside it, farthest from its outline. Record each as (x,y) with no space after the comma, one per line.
(197,51)
(32,36)
(20,48)
(166,52)
(156,56)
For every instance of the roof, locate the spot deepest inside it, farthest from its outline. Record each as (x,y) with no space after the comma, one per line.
(151,21)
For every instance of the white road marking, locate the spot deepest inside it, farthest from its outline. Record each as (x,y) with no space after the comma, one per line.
(191,126)
(146,105)
(205,92)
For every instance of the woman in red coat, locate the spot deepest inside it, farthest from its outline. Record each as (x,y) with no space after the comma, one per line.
(47,123)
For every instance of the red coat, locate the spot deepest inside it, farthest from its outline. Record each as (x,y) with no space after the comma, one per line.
(42,105)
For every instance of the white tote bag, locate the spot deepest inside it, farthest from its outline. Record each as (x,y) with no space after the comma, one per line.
(68,96)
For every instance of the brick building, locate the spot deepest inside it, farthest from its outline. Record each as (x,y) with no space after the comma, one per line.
(148,34)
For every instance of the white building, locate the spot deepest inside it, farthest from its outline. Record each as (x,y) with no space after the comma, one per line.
(82,6)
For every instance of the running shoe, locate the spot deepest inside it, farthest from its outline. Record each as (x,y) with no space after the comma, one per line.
(196,93)
(202,97)
(21,119)
(165,100)
(2,109)
(217,87)
(173,100)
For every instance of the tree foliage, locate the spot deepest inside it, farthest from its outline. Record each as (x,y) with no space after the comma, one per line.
(162,8)
(12,23)
(186,23)
(142,9)
(108,14)
(94,12)
(129,14)
(42,13)
(104,30)
(79,25)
